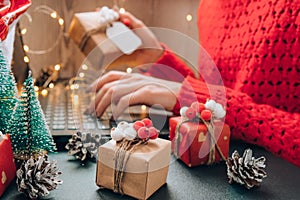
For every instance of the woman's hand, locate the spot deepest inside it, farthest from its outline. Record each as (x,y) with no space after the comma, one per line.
(151,50)
(125,89)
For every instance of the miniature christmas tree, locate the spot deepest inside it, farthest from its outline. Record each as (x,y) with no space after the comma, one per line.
(8,99)
(29,132)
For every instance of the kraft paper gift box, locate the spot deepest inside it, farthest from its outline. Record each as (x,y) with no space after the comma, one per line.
(193,147)
(7,165)
(100,50)
(146,170)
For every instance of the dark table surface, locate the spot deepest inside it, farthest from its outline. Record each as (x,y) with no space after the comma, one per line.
(203,182)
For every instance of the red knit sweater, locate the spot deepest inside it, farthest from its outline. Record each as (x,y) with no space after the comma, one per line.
(256,46)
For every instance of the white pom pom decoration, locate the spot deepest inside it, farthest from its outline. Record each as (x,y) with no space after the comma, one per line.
(211,105)
(107,15)
(219,112)
(183,110)
(123,125)
(130,133)
(116,134)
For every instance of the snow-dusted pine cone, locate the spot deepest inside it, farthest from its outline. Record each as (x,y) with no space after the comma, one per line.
(36,177)
(246,170)
(83,145)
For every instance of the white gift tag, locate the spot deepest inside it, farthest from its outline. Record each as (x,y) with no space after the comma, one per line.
(124,38)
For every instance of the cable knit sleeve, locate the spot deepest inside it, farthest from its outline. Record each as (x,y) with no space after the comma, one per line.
(260,124)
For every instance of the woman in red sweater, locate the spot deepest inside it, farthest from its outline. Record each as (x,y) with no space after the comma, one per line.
(255,45)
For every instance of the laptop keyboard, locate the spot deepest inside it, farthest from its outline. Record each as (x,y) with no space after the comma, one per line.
(64,112)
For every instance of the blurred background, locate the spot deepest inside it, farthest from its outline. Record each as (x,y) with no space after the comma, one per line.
(44,30)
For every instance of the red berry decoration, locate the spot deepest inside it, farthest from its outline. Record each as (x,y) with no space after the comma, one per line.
(201,107)
(138,124)
(154,137)
(153,132)
(190,113)
(147,122)
(206,115)
(143,133)
(195,105)
(198,106)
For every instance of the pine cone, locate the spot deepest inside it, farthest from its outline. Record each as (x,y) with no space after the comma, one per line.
(36,177)
(246,170)
(83,145)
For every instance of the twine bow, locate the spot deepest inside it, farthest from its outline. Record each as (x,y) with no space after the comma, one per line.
(213,143)
(122,155)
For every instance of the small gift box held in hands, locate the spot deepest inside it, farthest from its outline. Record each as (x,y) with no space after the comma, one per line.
(89,31)
(7,165)
(199,136)
(135,162)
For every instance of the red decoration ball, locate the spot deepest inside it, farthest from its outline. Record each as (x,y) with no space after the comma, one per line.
(153,132)
(198,106)
(154,137)
(206,115)
(138,124)
(190,113)
(195,105)
(143,133)
(147,122)
(201,107)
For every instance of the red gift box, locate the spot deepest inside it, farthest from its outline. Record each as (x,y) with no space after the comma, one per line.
(7,165)
(193,144)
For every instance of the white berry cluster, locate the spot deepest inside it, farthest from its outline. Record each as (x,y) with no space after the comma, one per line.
(107,15)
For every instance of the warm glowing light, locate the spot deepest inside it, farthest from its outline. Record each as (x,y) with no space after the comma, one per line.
(81,74)
(61,21)
(84,67)
(57,67)
(53,15)
(75,100)
(36,88)
(72,87)
(76,86)
(51,85)
(144,108)
(189,18)
(122,10)
(23,31)
(26,59)
(129,70)
(44,92)
(26,48)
